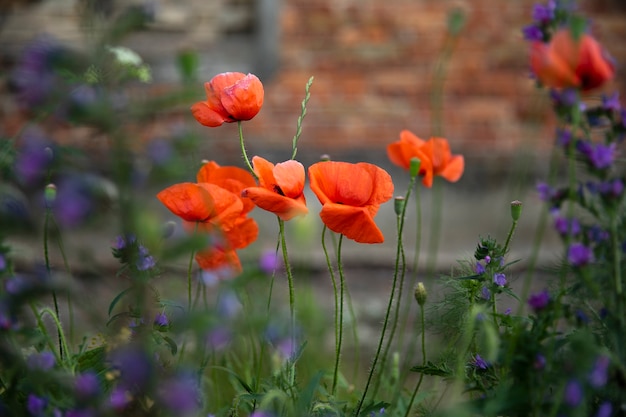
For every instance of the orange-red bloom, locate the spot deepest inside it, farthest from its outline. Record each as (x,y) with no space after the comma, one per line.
(214,209)
(566,62)
(233,179)
(351,195)
(434,154)
(281,188)
(231,97)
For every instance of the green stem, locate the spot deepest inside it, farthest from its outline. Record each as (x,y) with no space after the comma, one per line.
(66,264)
(331,271)
(57,323)
(342,286)
(189,270)
(46,256)
(419,383)
(292,303)
(42,328)
(243,150)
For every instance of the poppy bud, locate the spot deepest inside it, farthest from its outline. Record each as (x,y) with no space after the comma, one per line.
(414,166)
(50,194)
(325,157)
(516,210)
(420,294)
(398,205)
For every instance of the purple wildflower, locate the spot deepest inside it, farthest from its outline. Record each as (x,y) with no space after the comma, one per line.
(180,395)
(573,394)
(546,193)
(611,103)
(596,234)
(480,268)
(532,33)
(479,362)
(563,137)
(539,301)
(219,338)
(579,254)
(161,319)
(119,398)
(269,262)
(3,262)
(540,362)
(544,14)
(144,260)
(73,202)
(600,156)
(599,373)
(36,405)
(43,361)
(135,366)
(565,226)
(612,188)
(487,259)
(33,158)
(485,293)
(228,305)
(566,98)
(86,385)
(499,279)
(605,410)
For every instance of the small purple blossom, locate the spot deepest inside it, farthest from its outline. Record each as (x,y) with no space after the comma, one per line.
(86,385)
(579,255)
(269,262)
(544,14)
(135,366)
(605,410)
(34,157)
(539,301)
(540,362)
(180,395)
(36,405)
(573,394)
(599,373)
(74,201)
(546,193)
(596,234)
(480,363)
(228,305)
(42,361)
(563,137)
(480,268)
(499,279)
(599,155)
(119,398)
(219,338)
(144,260)
(611,188)
(566,98)
(161,319)
(487,259)
(532,32)
(485,293)
(611,103)
(566,226)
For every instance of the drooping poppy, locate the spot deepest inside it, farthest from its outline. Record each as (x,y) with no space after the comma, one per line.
(567,62)
(231,97)
(351,195)
(434,154)
(281,188)
(209,208)
(231,178)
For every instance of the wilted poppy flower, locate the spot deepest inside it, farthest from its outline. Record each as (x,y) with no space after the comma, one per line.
(568,62)
(281,188)
(231,97)
(434,154)
(351,195)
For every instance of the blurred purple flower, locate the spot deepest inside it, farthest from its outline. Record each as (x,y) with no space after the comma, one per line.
(563,137)
(269,262)
(573,394)
(605,410)
(3,262)
(599,373)
(86,385)
(219,338)
(544,14)
(34,157)
(596,234)
(565,226)
(579,255)
(135,366)
(144,260)
(479,362)
(499,279)
(611,102)
(546,192)
(74,201)
(600,156)
(34,79)
(42,361)
(480,268)
(180,395)
(532,32)
(119,398)
(540,362)
(159,151)
(487,259)
(228,305)
(161,319)
(539,301)
(611,188)
(485,293)
(36,405)
(567,97)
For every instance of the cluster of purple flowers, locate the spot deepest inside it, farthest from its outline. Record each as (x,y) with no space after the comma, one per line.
(129,250)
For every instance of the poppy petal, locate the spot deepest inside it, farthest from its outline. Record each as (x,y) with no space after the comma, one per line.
(284,207)
(264,169)
(454,169)
(353,222)
(244,233)
(188,201)
(206,115)
(227,208)
(383,184)
(244,99)
(289,176)
(218,258)
(341,182)
(233,179)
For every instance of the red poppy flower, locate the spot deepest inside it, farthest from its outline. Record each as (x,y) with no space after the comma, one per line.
(212,209)
(231,178)
(434,154)
(566,62)
(231,97)
(281,188)
(351,195)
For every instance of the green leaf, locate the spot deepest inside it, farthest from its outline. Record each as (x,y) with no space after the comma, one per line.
(306,396)
(432,369)
(117,299)
(172,344)
(237,377)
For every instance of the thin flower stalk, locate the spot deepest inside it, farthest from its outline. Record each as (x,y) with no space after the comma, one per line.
(421,378)
(331,271)
(243,150)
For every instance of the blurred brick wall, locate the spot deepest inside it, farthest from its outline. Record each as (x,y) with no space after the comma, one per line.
(373,63)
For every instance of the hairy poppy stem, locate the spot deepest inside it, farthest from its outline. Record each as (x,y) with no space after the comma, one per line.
(419,382)
(331,271)
(46,256)
(292,308)
(243,150)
